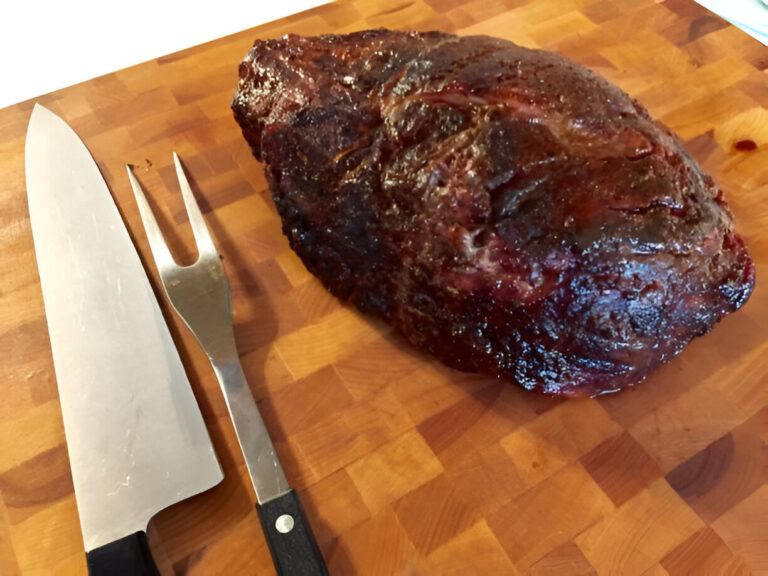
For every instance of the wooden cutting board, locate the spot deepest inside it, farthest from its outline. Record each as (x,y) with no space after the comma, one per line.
(404,466)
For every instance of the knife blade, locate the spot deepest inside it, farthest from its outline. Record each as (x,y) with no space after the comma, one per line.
(136,439)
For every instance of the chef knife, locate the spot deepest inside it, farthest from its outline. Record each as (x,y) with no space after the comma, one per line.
(136,439)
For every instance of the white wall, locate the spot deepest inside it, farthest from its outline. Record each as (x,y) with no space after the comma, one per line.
(50,44)
(46,45)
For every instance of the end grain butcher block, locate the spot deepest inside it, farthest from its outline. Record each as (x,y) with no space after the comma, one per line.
(406,466)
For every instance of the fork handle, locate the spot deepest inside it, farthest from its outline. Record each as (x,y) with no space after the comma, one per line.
(291,541)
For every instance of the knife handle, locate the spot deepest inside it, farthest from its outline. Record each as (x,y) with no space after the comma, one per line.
(128,556)
(290,538)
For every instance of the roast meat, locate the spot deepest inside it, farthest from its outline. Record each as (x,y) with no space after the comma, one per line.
(505,209)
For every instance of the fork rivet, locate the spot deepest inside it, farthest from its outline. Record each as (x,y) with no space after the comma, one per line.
(284,523)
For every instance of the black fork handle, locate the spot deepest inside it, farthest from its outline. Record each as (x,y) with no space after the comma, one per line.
(291,542)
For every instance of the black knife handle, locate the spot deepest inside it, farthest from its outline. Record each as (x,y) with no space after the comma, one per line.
(290,538)
(128,556)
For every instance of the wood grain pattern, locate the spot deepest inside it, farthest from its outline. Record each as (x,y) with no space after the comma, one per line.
(404,466)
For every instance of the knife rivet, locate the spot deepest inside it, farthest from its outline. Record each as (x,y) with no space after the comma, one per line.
(284,523)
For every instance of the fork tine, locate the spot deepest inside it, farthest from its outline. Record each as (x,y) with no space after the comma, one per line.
(203,238)
(157,245)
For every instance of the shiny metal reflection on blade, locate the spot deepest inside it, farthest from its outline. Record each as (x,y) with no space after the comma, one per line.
(136,439)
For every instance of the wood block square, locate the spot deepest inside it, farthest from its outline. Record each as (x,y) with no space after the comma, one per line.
(55,530)
(361,429)
(758,425)
(709,47)
(654,15)
(393,470)
(739,42)
(511,408)
(567,559)
(744,172)
(241,215)
(336,504)
(43,478)
(34,431)
(264,370)
(377,363)
(558,437)
(227,551)
(473,552)
(184,529)
(534,457)
(570,23)
(16,272)
(376,547)
(221,190)
(292,266)
(602,11)
(621,467)
(443,5)
(391,16)
(639,533)
(433,514)
(317,345)
(656,570)
(261,279)
(485,478)
(690,28)
(8,564)
(744,528)
(702,147)
(314,300)
(432,388)
(443,429)
(480,10)
(221,162)
(663,386)
(751,125)
(649,51)
(304,404)
(664,98)
(705,113)
(742,384)
(725,472)
(704,553)
(569,500)
(685,8)
(509,24)
(33,378)
(682,427)
(257,325)
(266,241)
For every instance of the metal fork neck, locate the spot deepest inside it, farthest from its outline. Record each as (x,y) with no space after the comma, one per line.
(264,468)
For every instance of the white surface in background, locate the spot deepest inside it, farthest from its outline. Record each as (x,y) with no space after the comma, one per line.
(46,45)
(749,15)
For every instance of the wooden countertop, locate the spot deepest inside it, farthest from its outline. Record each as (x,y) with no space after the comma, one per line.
(404,466)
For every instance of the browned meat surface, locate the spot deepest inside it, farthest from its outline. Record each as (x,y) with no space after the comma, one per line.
(507,210)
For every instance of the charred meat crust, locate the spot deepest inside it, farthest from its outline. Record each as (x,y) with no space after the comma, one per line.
(506,209)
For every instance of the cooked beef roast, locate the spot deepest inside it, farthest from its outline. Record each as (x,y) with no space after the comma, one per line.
(506,209)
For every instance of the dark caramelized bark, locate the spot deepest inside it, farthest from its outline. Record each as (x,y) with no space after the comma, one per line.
(506,209)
